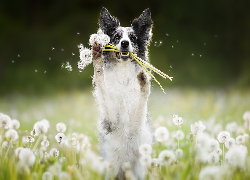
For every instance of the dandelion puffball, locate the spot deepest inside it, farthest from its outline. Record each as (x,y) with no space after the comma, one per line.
(60,138)
(11,134)
(240,139)
(161,134)
(60,127)
(178,153)
(177,120)
(197,127)
(40,127)
(223,136)
(145,149)
(26,156)
(145,160)
(230,143)
(15,124)
(166,156)
(5,121)
(54,152)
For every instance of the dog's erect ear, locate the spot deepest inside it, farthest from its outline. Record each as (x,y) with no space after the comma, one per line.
(143,24)
(108,23)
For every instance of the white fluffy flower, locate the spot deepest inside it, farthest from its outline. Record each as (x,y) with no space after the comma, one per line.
(210,173)
(15,124)
(11,134)
(145,149)
(18,150)
(100,38)
(236,156)
(60,138)
(223,136)
(40,127)
(179,134)
(240,139)
(230,143)
(197,127)
(85,57)
(178,153)
(246,116)
(166,156)
(93,38)
(54,152)
(71,142)
(26,156)
(5,145)
(45,143)
(161,134)
(212,145)
(5,121)
(145,160)
(104,40)
(177,120)
(45,121)
(47,176)
(246,136)
(231,127)
(213,158)
(218,151)
(61,127)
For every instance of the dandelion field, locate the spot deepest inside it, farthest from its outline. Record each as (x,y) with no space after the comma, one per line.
(69,150)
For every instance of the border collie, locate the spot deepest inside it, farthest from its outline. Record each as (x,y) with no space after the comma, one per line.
(122,89)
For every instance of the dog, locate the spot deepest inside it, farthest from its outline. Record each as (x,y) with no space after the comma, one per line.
(121,89)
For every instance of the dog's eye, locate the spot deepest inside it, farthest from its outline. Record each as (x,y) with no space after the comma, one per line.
(133,38)
(117,37)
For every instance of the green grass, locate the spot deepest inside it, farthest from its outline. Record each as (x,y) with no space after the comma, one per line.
(78,110)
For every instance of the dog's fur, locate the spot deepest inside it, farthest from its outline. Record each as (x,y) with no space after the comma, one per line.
(122,88)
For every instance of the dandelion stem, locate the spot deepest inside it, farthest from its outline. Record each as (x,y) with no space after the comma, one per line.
(37,141)
(223,154)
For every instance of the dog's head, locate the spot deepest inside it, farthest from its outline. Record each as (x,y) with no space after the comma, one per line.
(128,39)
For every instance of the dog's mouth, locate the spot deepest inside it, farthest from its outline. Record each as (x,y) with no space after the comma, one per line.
(122,55)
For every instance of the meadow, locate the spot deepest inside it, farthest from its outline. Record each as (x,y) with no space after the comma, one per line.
(70,150)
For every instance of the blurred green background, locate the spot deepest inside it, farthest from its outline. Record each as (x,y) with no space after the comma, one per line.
(204,43)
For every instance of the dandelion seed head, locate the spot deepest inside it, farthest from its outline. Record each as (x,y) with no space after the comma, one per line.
(18,150)
(145,149)
(46,122)
(240,139)
(178,153)
(223,136)
(179,134)
(45,143)
(5,121)
(246,136)
(213,158)
(212,145)
(11,134)
(166,157)
(5,145)
(161,134)
(47,176)
(145,160)
(210,173)
(246,116)
(60,138)
(71,142)
(85,57)
(54,152)
(236,156)
(218,151)
(177,120)
(26,156)
(230,143)
(197,127)
(61,127)
(40,127)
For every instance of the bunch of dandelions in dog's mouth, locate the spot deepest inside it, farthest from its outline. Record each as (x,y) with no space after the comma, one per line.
(104,41)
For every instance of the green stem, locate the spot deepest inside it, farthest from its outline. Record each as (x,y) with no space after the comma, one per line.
(223,154)
(37,141)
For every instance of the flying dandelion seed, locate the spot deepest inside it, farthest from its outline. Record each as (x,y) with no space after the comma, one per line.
(172,46)
(49,58)
(53,48)
(167,34)
(192,54)
(44,72)
(18,55)
(12,61)
(73,54)
(78,33)
(62,49)
(204,44)
(177,41)
(36,70)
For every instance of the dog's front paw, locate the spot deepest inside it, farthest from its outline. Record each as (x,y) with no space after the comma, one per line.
(143,80)
(97,50)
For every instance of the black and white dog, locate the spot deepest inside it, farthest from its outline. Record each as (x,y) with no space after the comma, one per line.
(122,88)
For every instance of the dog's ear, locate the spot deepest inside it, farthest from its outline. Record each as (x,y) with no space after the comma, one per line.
(143,25)
(108,23)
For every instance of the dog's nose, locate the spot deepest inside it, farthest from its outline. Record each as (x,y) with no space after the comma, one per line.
(124,44)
